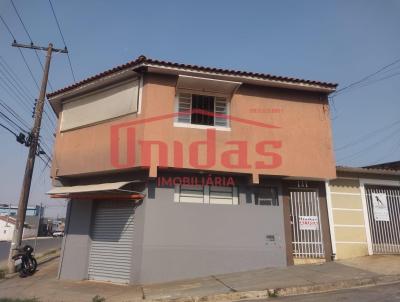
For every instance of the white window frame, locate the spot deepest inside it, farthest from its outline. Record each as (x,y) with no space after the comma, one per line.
(206,196)
(197,126)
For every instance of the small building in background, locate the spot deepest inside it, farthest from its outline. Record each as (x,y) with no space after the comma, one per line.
(8,217)
(7,226)
(11,210)
(364,211)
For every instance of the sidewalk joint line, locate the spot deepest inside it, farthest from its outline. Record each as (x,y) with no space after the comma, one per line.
(224,284)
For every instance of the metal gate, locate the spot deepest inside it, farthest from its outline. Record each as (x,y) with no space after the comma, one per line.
(306,224)
(383,205)
(112,238)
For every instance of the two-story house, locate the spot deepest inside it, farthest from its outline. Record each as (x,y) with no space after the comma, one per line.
(177,171)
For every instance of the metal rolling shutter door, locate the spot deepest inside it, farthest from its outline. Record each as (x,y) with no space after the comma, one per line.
(112,238)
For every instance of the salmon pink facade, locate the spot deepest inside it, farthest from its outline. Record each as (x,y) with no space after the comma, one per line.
(191,171)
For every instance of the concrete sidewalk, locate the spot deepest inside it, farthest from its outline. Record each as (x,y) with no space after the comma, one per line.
(245,285)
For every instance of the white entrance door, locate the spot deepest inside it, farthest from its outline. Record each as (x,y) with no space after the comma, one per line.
(306,224)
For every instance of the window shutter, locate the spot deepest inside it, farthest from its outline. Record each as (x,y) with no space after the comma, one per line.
(221,108)
(191,194)
(224,195)
(184,105)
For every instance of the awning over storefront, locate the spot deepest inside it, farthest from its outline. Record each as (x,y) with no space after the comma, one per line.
(109,190)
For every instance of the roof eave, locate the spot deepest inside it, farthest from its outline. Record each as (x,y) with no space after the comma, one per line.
(244,79)
(55,100)
(368,171)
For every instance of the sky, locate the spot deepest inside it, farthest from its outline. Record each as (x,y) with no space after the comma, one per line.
(335,41)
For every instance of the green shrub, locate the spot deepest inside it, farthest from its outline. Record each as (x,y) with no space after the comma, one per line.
(97,298)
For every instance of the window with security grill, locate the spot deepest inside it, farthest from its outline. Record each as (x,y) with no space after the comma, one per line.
(204,110)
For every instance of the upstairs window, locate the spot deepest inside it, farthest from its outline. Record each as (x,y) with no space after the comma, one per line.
(203,110)
(101,105)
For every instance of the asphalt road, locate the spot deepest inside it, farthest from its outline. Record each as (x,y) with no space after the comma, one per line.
(43,245)
(380,293)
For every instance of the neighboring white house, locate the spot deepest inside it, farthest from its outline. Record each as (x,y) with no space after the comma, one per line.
(7,226)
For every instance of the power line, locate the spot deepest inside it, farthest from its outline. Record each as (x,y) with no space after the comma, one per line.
(43,147)
(29,69)
(16,78)
(370,147)
(13,95)
(29,36)
(8,129)
(14,114)
(11,76)
(22,102)
(20,89)
(13,122)
(391,152)
(6,26)
(373,81)
(339,91)
(20,19)
(367,136)
(15,89)
(41,65)
(23,56)
(62,37)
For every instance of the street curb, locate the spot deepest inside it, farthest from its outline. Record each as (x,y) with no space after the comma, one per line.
(288,291)
(338,285)
(40,260)
(44,259)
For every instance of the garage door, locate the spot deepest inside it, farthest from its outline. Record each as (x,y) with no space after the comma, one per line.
(112,238)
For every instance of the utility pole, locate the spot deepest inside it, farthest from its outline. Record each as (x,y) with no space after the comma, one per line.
(26,185)
(38,227)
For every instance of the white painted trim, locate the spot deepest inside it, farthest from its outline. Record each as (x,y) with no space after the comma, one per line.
(344,193)
(366,217)
(176,193)
(367,181)
(350,225)
(346,177)
(235,195)
(139,109)
(330,216)
(195,126)
(206,194)
(347,209)
(351,242)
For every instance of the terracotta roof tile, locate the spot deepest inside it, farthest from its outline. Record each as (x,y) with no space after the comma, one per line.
(142,60)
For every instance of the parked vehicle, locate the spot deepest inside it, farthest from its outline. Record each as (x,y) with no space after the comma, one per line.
(24,261)
(58,234)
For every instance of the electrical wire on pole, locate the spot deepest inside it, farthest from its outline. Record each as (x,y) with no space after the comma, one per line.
(33,149)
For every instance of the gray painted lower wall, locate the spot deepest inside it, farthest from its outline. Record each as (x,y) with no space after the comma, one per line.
(176,240)
(190,240)
(76,243)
